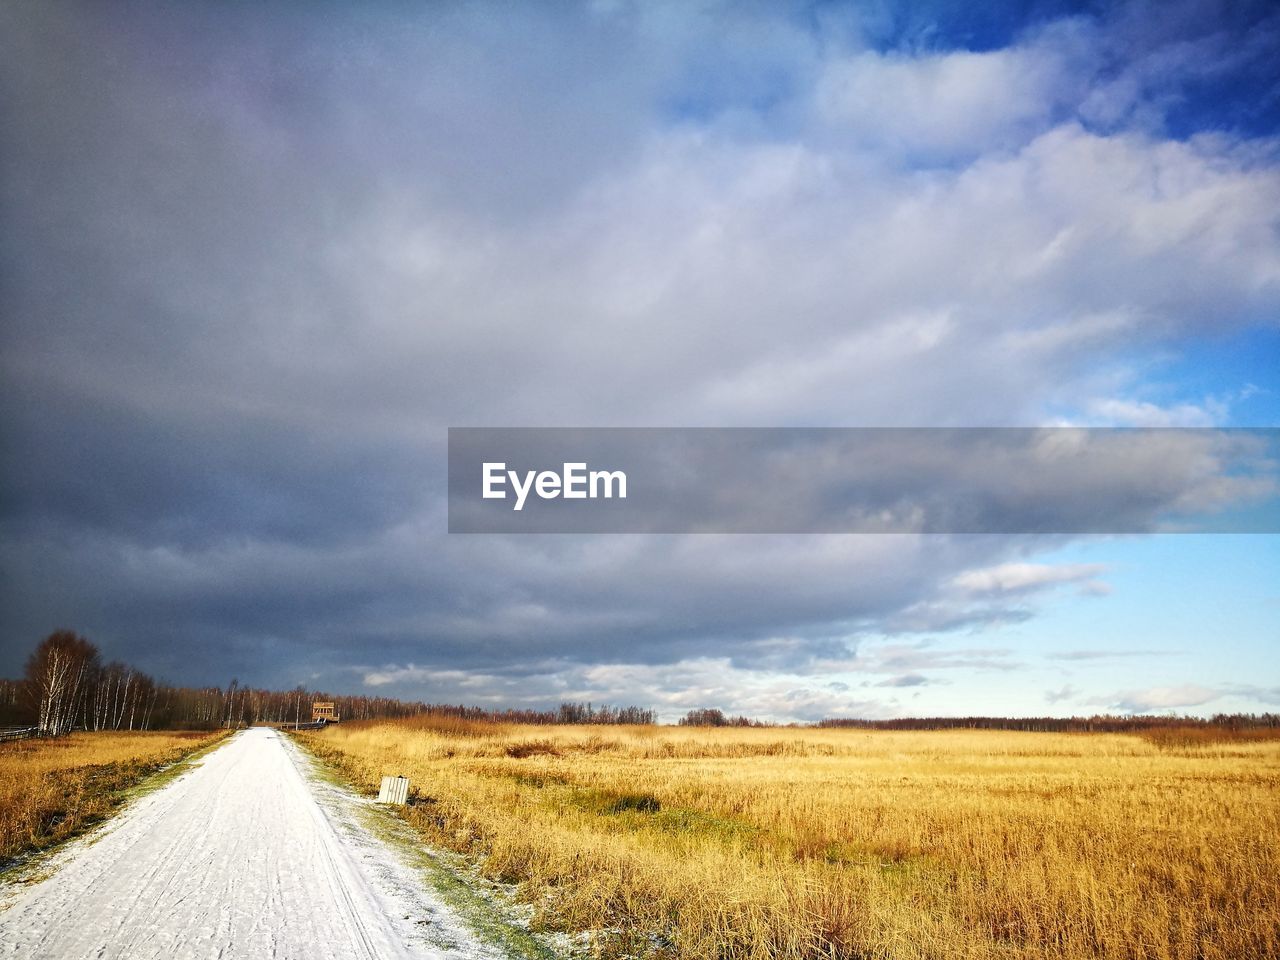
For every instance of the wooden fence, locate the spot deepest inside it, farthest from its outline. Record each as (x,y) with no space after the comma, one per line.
(18,733)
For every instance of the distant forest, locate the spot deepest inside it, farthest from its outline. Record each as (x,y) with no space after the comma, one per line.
(1096,724)
(67,686)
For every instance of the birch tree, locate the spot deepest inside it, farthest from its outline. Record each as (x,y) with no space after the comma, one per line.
(59,673)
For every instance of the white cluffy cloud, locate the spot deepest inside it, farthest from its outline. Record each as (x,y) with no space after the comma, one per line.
(1161,698)
(950,102)
(1023,577)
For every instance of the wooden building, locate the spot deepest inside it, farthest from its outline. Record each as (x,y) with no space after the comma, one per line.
(324,712)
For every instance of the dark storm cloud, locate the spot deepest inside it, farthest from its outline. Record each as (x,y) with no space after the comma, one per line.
(191,480)
(256,260)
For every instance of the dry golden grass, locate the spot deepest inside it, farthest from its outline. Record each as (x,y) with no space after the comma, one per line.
(786,843)
(52,789)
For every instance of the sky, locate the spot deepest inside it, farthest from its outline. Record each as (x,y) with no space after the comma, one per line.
(256,259)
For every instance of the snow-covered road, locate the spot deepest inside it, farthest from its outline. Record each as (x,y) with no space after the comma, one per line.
(247,855)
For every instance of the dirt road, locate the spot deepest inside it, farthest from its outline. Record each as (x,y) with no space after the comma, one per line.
(248,855)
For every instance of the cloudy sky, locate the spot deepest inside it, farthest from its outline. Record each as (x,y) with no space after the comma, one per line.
(256,259)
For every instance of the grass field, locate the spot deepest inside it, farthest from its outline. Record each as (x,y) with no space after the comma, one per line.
(52,789)
(788,843)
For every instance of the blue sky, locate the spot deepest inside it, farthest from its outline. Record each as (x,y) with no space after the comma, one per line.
(1182,618)
(259,260)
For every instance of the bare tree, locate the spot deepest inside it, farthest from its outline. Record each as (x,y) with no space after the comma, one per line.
(229,709)
(59,675)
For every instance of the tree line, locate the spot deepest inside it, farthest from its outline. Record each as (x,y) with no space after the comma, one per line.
(1104,723)
(66,686)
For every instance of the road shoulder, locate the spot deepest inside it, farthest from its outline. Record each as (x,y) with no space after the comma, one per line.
(471,909)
